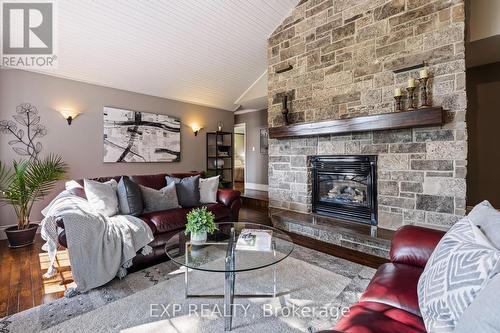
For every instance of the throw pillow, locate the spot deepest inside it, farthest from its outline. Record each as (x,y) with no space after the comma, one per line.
(157,200)
(208,189)
(487,219)
(188,190)
(102,196)
(482,315)
(462,264)
(129,197)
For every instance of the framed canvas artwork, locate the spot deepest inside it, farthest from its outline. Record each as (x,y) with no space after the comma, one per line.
(133,136)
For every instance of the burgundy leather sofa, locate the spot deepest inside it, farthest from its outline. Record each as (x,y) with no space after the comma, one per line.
(390,303)
(165,224)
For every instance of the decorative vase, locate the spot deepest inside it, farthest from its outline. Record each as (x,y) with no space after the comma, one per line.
(219,163)
(198,237)
(20,238)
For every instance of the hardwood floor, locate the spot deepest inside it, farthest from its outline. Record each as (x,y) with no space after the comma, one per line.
(21,277)
(22,285)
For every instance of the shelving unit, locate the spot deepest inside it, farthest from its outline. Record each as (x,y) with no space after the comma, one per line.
(220,157)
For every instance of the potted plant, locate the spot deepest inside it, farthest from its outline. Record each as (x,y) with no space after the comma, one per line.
(22,185)
(200,222)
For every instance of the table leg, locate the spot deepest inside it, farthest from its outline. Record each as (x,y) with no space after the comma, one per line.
(228,300)
(274,271)
(229,282)
(186,281)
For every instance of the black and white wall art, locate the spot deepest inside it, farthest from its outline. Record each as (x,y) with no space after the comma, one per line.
(133,136)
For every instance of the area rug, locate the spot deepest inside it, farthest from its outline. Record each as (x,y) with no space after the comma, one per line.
(314,289)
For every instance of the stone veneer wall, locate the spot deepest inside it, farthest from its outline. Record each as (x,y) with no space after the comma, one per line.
(343,54)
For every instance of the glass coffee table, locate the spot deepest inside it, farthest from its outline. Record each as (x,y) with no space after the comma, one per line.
(220,255)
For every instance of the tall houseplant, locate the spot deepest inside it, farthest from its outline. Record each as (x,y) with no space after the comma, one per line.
(24,184)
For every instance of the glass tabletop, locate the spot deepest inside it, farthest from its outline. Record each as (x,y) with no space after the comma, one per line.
(223,253)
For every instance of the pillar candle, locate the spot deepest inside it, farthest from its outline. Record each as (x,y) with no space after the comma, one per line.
(424,73)
(411,83)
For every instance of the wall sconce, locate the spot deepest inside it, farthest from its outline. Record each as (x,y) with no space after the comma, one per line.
(196,128)
(69,114)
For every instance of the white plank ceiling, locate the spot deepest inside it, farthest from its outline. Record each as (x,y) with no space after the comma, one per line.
(205,52)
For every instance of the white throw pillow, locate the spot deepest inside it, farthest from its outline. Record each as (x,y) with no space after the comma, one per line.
(102,196)
(487,219)
(462,264)
(208,189)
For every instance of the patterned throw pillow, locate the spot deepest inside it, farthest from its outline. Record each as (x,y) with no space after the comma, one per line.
(462,264)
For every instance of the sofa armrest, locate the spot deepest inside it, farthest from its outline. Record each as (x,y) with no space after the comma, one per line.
(226,196)
(412,245)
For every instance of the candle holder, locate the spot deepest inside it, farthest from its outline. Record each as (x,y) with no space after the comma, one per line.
(398,102)
(424,97)
(411,98)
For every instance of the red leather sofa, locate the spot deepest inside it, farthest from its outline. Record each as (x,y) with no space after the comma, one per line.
(166,223)
(390,303)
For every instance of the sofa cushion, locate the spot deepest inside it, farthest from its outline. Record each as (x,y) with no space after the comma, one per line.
(395,285)
(167,220)
(159,200)
(461,266)
(188,190)
(373,317)
(129,197)
(175,219)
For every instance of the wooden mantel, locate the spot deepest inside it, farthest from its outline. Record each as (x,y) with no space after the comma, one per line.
(416,118)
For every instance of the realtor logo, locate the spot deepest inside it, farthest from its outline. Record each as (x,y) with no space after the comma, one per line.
(28,34)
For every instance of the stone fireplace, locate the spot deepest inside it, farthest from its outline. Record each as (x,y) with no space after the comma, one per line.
(345,187)
(343,59)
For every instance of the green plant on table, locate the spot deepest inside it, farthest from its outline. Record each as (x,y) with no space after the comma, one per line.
(200,220)
(28,181)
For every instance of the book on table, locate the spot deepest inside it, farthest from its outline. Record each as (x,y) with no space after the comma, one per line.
(254,240)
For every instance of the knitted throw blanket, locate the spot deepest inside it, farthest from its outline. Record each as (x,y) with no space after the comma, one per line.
(99,247)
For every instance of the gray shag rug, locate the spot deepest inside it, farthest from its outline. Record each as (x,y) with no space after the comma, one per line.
(313,289)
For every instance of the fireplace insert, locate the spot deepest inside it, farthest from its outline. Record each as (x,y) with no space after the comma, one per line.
(345,186)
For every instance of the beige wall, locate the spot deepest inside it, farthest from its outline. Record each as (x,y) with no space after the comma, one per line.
(484,19)
(81,144)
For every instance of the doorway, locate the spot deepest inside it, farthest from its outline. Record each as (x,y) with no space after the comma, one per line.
(239,156)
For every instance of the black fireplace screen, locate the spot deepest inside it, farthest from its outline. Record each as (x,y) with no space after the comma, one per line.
(345,187)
